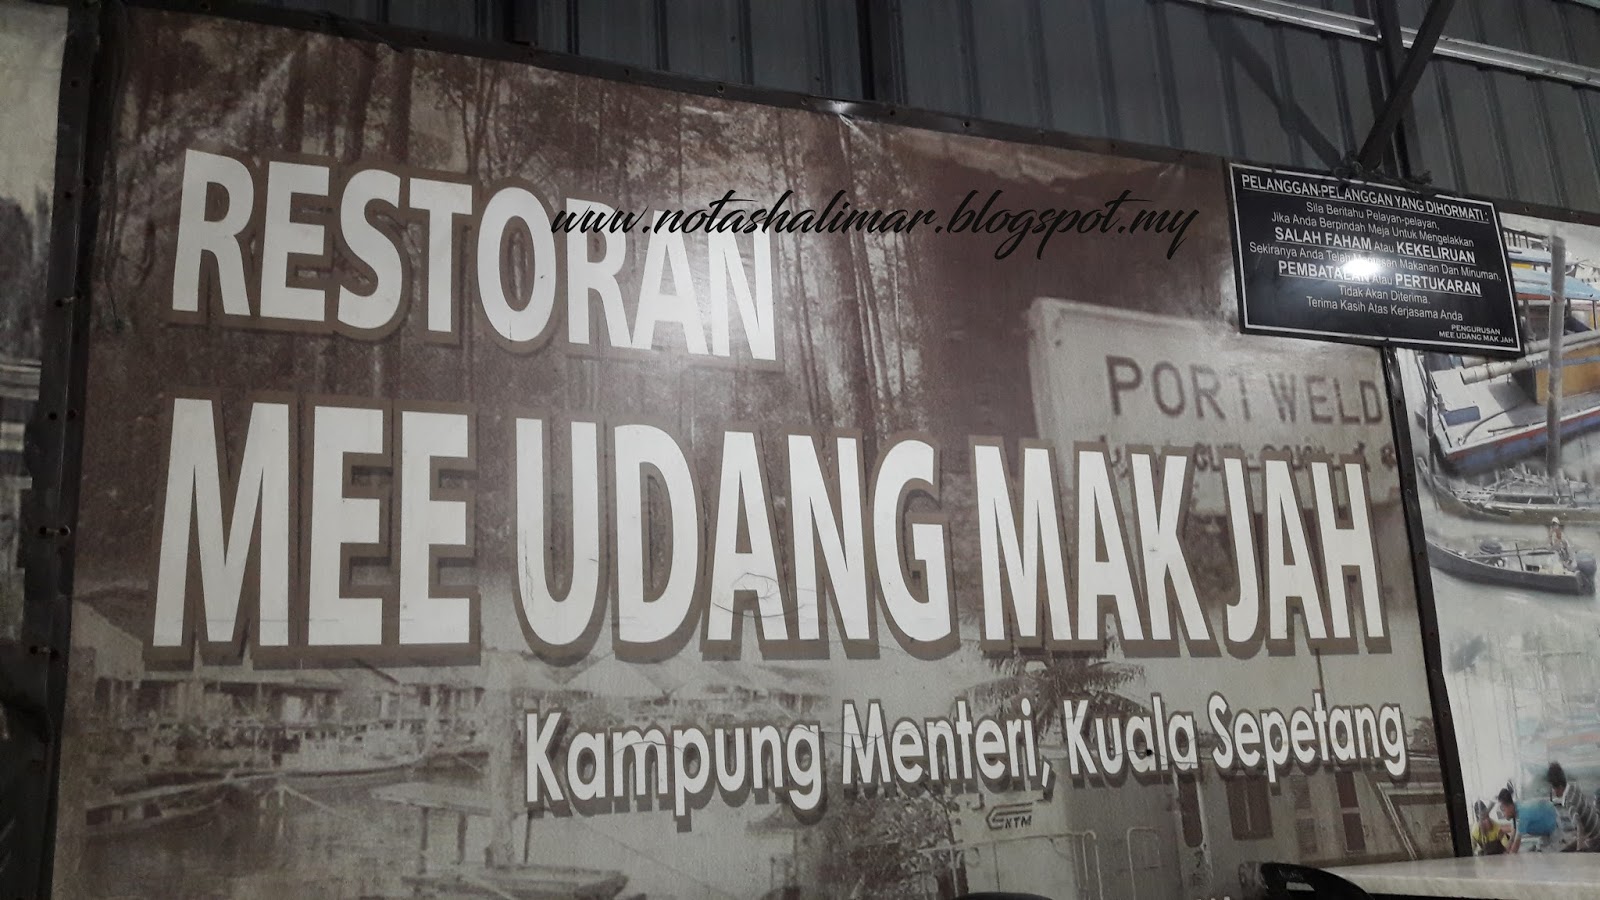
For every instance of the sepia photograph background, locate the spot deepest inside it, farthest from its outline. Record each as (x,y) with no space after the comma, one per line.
(375,780)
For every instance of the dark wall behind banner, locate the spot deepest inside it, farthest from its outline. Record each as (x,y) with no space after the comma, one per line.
(32,38)
(1165,72)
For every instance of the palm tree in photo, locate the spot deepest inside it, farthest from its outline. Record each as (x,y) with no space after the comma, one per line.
(1051,679)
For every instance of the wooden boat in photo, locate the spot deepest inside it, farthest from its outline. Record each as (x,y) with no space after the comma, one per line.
(330,774)
(1521,564)
(1520,495)
(1483,416)
(353,774)
(168,806)
(1478,427)
(333,756)
(454,759)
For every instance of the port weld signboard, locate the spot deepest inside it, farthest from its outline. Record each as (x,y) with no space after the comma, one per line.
(1333,259)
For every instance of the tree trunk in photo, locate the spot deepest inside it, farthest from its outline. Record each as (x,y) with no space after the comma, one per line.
(294,104)
(398,141)
(355,124)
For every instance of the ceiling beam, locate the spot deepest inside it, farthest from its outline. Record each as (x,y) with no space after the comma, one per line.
(1358,28)
(1398,103)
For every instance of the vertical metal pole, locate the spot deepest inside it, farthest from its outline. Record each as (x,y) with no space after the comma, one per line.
(527,837)
(1444,723)
(1558,327)
(54,449)
(1402,77)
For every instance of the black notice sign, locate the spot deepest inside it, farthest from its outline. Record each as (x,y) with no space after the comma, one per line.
(1321,257)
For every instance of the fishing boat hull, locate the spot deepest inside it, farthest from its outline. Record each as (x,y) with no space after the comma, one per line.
(346,779)
(162,808)
(333,777)
(470,759)
(1535,570)
(1478,455)
(1521,503)
(1534,513)
(1487,425)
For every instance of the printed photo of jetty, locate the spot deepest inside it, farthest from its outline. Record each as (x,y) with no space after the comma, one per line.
(1508,464)
(376,781)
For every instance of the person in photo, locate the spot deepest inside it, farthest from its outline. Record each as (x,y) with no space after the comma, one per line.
(1489,838)
(1580,820)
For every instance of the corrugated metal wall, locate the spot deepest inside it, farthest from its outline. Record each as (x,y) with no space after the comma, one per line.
(1194,74)
(1509,135)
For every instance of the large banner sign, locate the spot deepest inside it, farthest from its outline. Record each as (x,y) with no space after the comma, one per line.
(1510,502)
(503,482)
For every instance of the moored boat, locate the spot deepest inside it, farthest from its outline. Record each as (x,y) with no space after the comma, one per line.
(1519,496)
(338,756)
(352,774)
(166,806)
(1523,564)
(1480,416)
(1486,425)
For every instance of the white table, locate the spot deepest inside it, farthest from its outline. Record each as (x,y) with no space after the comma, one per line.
(1518,876)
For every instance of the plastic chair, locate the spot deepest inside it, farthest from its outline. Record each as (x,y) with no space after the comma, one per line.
(1286,881)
